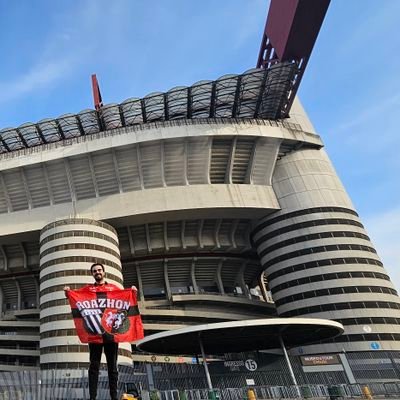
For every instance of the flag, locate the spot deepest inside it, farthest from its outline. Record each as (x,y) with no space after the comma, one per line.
(106,316)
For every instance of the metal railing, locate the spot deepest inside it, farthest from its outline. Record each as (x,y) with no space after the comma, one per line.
(333,392)
(73,385)
(152,125)
(60,384)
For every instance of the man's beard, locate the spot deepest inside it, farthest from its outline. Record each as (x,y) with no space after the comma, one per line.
(98,278)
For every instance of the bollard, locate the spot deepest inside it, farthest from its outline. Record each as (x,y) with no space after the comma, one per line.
(366,392)
(251,395)
(127,396)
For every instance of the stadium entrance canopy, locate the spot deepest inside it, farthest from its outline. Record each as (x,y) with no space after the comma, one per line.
(239,336)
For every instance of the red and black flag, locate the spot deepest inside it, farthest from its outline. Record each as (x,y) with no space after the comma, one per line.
(109,316)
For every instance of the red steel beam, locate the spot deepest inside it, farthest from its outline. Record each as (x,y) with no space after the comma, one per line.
(290,33)
(98,102)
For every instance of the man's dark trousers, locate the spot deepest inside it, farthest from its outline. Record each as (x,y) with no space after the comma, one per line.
(111,352)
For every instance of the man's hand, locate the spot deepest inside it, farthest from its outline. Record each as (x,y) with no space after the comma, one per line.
(66,290)
(134,288)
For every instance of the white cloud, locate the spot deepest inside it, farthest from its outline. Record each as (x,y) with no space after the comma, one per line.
(69,45)
(39,76)
(384,230)
(371,113)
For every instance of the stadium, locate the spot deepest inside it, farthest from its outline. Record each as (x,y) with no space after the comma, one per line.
(218,201)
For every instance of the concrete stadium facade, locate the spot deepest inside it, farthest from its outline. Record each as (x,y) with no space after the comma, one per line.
(216,217)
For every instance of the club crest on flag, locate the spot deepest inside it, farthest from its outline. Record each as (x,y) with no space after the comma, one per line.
(115,321)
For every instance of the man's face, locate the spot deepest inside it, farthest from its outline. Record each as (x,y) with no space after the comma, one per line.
(98,273)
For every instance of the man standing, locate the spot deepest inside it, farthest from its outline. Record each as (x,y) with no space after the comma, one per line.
(96,349)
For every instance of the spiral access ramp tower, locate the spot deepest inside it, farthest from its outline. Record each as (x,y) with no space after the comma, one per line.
(68,248)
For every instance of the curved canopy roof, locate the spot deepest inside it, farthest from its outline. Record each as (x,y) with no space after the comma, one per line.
(258,93)
(238,336)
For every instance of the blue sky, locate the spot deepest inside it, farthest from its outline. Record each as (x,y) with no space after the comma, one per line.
(351,88)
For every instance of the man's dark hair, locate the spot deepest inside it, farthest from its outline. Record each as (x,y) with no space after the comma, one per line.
(96,264)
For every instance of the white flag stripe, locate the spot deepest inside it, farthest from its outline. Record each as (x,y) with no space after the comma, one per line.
(94,323)
(97,323)
(89,324)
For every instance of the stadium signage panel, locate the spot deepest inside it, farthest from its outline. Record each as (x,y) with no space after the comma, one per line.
(329,359)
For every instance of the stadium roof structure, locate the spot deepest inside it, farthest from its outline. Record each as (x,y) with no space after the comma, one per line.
(257,93)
